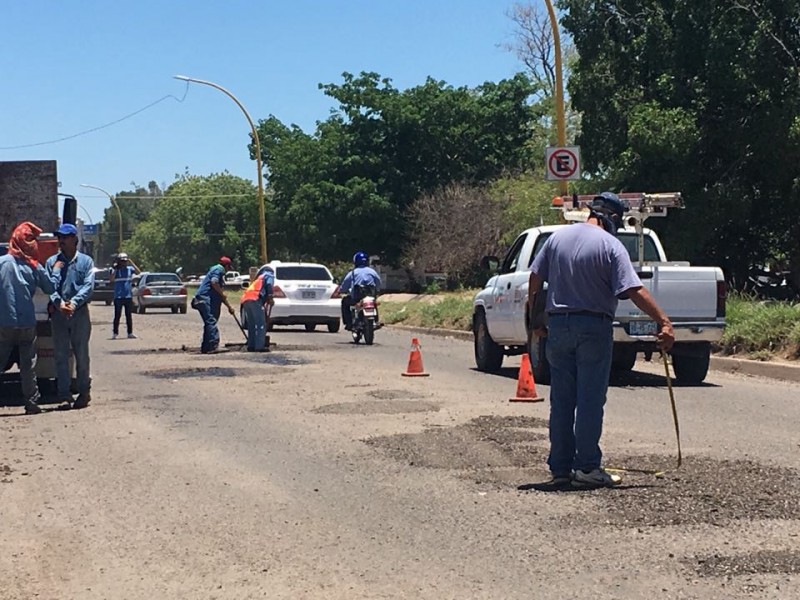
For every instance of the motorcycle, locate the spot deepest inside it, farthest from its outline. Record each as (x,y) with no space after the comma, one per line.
(365,314)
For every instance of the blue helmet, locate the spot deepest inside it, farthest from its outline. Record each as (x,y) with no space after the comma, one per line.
(360,259)
(609,209)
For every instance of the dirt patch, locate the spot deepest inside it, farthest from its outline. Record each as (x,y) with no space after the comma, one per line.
(275,358)
(380,407)
(479,446)
(5,474)
(778,562)
(703,491)
(193,372)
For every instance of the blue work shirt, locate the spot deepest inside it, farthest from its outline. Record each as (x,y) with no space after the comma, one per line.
(123,279)
(76,281)
(585,268)
(360,276)
(18,283)
(205,291)
(266,287)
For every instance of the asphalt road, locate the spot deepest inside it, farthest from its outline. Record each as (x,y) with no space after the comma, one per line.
(317,471)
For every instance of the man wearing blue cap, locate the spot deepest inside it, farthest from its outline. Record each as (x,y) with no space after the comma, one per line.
(72,326)
(587,270)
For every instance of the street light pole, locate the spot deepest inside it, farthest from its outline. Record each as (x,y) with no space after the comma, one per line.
(561,128)
(119,212)
(261,215)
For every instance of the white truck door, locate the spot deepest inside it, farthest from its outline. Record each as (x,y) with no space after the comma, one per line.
(520,287)
(500,317)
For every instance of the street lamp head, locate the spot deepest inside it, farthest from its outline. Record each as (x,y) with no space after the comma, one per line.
(182,77)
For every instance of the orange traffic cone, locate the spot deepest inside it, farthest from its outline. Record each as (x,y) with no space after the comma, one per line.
(526,386)
(415,368)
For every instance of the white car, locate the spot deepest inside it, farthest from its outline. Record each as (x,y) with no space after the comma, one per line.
(305,294)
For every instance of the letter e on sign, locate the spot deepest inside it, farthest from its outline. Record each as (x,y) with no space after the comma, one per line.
(563,163)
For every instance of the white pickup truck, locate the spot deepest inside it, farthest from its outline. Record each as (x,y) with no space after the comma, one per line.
(692,297)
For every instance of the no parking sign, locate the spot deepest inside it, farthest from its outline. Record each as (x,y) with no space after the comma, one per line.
(562,163)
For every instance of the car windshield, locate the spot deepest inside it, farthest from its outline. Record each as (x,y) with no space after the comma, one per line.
(102,274)
(303,274)
(159,278)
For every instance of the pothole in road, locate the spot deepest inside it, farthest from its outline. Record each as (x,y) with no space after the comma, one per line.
(393,394)
(480,446)
(703,491)
(193,372)
(753,563)
(377,407)
(140,351)
(275,358)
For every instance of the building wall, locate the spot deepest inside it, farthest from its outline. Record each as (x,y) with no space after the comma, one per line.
(28,192)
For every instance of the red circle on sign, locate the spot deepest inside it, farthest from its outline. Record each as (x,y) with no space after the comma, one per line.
(559,154)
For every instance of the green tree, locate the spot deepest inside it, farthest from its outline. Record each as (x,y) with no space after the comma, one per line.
(135,205)
(349,185)
(700,97)
(199,219)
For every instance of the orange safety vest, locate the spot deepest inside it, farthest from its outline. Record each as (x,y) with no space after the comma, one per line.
(252,291)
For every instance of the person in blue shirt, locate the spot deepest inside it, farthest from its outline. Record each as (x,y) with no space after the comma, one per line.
(20,276)
(587,270)
(122,279)
(360,275)
(254,300)
(208,301)
(72,326)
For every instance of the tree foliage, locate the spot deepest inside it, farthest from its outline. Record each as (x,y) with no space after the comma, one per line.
(199,219)
(700,97)
(135,206)
(350,183)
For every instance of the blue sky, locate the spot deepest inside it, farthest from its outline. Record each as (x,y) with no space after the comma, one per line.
(72,65)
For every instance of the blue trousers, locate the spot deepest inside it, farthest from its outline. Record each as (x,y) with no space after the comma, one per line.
(579,350)
(71,335)
(256,325)
(25,339)
(210,330)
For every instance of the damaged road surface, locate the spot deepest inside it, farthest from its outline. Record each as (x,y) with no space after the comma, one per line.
(317,471)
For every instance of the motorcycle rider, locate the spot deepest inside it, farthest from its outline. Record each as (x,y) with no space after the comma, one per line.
(360,274)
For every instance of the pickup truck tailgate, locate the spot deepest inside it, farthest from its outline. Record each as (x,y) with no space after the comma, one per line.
(684,293)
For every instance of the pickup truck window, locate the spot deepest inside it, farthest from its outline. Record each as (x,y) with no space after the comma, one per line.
(511,259)
(631,243)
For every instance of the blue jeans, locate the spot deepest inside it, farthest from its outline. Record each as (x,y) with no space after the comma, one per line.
(256,325)
(579,352)
(72,335)
(25,339)
(210,331)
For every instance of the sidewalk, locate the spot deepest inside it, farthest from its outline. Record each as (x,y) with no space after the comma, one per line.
(756,368)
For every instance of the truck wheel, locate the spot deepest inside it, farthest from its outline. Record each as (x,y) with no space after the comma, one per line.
(691,369)
(333,327)
(539,365)
(141,309)
(108,302)
(182,309)
(310,326)
(623,360)
(174,309)
(488,354)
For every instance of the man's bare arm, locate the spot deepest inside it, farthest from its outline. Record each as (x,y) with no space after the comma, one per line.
(645,301)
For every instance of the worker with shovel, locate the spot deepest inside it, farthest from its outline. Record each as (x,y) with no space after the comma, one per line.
(208,301)
(255,299)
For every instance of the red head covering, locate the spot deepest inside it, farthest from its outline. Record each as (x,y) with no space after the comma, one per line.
(23,243)
(224,260)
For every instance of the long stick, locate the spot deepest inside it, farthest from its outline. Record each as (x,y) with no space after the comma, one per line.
(674,408)
(244,333)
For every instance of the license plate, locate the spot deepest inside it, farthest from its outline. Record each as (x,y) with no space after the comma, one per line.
(309,295)
(642,328)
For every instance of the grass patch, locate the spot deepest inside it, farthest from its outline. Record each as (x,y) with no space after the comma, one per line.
(447,311)
(761,329)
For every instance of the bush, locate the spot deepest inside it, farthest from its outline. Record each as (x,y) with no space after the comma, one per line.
(756,327)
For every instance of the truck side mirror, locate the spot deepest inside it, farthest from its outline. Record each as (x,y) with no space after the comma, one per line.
(490,263)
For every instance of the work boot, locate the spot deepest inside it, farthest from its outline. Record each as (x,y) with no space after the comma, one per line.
(82,401)
(114,336)
(131,336)
(31,408)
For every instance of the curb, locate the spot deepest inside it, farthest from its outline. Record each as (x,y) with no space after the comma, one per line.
(756,368)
